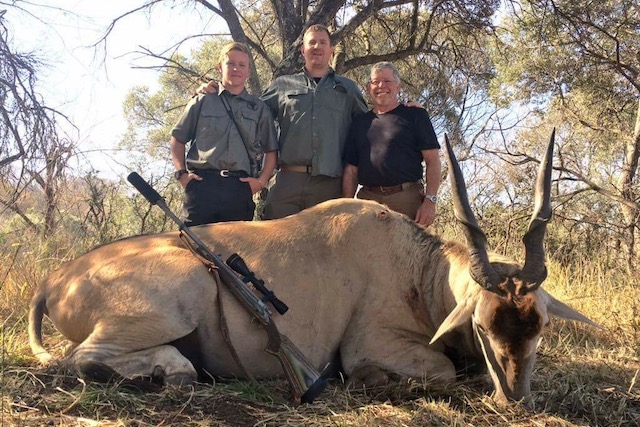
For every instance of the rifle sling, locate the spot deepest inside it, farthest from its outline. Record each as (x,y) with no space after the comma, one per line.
(224,328)
(241,130)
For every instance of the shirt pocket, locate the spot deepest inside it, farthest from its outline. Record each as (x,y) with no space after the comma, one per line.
(249,122)
(213,124)
(297,102)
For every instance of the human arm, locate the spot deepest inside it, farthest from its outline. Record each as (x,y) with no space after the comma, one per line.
(178,151)
(269,165)
(350,160)
(427,211)
(349,181)
(266,134)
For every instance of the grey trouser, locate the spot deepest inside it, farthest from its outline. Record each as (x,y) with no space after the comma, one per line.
(293,192)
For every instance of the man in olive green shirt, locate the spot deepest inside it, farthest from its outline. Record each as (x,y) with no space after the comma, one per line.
(313,109)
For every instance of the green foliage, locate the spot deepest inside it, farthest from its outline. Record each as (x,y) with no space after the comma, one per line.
(249,391)
(15,349)
(574,63)
(574,50)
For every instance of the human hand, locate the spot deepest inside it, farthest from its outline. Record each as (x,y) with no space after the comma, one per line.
(205,88)
(255,184)
(187,177)
(414,104)
(426,213)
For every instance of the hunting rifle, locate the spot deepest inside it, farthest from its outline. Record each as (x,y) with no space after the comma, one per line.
(306,383)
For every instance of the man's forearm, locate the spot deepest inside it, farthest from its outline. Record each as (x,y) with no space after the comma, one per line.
(433,171)
(177,154)
(349,181)
(270,160)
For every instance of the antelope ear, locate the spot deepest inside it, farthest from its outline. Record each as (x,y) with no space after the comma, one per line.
(563,311)
(461,314)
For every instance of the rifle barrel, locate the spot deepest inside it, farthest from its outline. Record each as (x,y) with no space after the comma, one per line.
(306,383)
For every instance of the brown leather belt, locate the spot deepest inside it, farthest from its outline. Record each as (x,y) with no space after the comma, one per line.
(393,188)
(296,168)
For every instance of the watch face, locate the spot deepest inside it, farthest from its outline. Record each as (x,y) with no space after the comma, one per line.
(178,174)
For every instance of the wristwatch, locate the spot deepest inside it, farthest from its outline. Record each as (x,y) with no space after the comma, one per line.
(431,197)
(177,174)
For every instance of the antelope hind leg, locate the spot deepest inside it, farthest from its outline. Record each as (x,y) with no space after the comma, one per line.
(163,363)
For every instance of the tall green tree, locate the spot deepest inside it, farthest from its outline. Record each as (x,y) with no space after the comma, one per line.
(278,36)
(33,153)
(439,46)
(579,62)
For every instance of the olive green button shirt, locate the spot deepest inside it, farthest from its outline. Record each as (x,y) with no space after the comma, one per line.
(314,119)
(215,140)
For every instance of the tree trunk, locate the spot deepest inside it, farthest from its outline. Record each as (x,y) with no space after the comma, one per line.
(631,215)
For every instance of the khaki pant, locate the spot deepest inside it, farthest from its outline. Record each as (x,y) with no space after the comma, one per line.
(406,201)
(293,192)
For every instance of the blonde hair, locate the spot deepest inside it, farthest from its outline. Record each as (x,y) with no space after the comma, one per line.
(240,47)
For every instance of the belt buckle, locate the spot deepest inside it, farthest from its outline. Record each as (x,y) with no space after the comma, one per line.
(224,173)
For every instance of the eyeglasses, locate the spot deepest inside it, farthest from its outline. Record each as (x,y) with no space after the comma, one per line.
(378,82)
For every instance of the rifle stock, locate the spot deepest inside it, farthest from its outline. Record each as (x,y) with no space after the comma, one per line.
(306,383)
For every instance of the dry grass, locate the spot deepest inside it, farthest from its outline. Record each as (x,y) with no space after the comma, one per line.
(584,377)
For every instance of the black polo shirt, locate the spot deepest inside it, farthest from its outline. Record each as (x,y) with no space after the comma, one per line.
(386,148)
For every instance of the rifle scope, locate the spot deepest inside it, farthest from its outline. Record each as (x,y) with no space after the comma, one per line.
(236,262)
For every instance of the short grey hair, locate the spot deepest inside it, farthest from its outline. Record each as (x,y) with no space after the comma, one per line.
(385,65)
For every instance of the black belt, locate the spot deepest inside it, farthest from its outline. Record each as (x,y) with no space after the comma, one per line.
(225,173)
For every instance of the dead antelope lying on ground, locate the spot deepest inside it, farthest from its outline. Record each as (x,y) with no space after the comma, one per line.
(357,277)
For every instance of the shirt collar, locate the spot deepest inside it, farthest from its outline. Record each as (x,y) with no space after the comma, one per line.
(243,95)
(330,74)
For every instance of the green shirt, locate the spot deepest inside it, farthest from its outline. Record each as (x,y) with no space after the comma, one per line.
(314,119)
(215,142)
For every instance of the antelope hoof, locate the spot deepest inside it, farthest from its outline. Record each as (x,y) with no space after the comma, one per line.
(367,377)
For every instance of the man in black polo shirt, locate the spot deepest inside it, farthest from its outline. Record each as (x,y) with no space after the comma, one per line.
(385,149)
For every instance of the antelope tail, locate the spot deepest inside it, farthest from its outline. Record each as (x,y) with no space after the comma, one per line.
(36,313)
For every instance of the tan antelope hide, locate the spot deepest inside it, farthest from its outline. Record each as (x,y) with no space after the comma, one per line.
(357,277)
